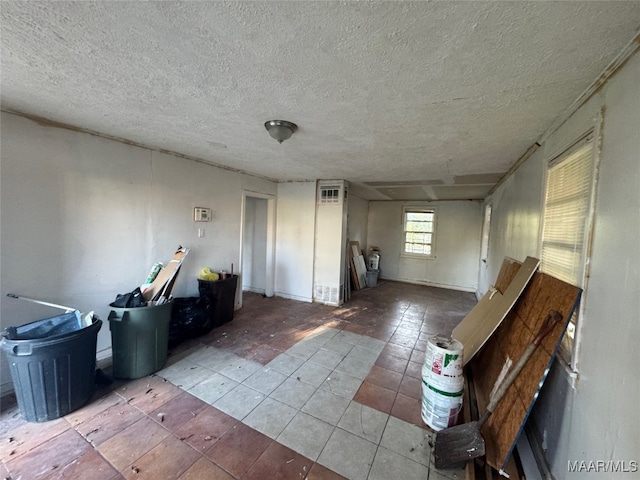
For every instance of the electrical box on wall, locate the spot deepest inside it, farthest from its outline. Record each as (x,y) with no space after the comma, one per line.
(201,214)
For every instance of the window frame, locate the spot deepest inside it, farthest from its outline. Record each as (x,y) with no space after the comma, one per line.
(570,347)
(419,209)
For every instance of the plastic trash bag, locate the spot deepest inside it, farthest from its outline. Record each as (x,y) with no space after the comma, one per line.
(47,327)
(130,300)
(190,318)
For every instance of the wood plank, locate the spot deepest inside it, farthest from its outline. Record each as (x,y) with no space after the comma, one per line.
(480,323)
(544,293)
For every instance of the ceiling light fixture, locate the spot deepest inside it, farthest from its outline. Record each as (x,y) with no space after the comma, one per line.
(280,129)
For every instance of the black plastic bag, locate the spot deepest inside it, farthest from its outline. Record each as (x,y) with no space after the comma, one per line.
(130,300)
(190,318)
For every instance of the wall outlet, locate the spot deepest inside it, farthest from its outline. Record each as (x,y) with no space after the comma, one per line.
(201,232)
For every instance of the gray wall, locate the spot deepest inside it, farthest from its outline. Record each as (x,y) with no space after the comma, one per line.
(595,418)
(457,244)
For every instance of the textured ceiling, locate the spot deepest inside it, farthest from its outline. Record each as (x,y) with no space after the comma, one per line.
(402,99)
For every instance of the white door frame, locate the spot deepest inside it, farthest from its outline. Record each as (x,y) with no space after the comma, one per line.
(271,241)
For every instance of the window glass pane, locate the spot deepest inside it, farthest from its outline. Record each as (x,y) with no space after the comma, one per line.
(418,232)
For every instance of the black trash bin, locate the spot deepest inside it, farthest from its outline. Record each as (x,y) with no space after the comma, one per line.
(222,294)
(52,363)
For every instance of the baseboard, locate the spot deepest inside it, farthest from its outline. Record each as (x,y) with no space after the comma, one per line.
(460,288)
(294,297)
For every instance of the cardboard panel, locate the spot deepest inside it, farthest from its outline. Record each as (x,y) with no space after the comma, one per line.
(476,328)
(544,293)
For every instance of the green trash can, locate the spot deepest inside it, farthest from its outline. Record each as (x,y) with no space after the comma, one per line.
(139,339)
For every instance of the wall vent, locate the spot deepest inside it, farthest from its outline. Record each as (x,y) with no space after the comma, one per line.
(330,194)
(326,294)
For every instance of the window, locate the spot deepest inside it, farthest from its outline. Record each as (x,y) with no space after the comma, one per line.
(419,231)
(486,227)
(567,221)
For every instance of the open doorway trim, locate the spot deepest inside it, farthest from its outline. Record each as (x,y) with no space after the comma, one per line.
(271,241)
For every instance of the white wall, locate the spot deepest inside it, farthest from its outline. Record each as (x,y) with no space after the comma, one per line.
(254,249)
(597,419)
(357,221)
(84,218)
(295,232)
(457,244)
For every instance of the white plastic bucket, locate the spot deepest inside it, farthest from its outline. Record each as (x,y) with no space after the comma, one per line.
(440,409)
(444,357)
(439,382)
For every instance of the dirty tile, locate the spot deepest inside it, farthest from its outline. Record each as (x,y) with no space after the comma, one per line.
(341,384)
(108,423)
(279,462)
(348,455)
(375,397)
(363,353)
(327,358)
(240,369)
(270,417)
(312,373)
(285,364)
(339,345)
(410,386)
(212,358)
(407,440)
(414,370)
(204,469)
(90,461)
(178,411)
(45,459)
(185,374)
(213,388)
(388,464)
(149,393)
(93,408)
(354,367)
(238,449)
(326,406)
(125,447)
(303,350)
(239,402)
(407,409)
(392,363)
(364,422)
(397,351)
(206,428)
(318,472)
(168,459)
(265,380)
(293,392)
(28,436)
(384,378)
(306,435)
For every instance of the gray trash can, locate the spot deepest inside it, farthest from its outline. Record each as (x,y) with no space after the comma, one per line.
(53,363)
(372,277)
(139,339)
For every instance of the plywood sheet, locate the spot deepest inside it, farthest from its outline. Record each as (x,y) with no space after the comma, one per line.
(543,293)
(358,262)
(480,323)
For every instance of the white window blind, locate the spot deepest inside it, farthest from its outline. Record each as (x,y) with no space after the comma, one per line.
(567,203)
(566,221)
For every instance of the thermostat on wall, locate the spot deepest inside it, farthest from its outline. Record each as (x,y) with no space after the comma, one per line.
(201,214)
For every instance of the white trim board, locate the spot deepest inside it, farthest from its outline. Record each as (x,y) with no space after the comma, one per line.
(480,323)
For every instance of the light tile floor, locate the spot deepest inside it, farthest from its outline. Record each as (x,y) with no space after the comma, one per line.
(286,390)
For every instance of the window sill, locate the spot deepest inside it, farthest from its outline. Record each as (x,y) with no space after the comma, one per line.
(571,374)
(417,256)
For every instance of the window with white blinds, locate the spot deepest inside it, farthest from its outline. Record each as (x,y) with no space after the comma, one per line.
(566,220)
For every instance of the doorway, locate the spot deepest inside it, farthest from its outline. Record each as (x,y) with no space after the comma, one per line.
(257,244)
